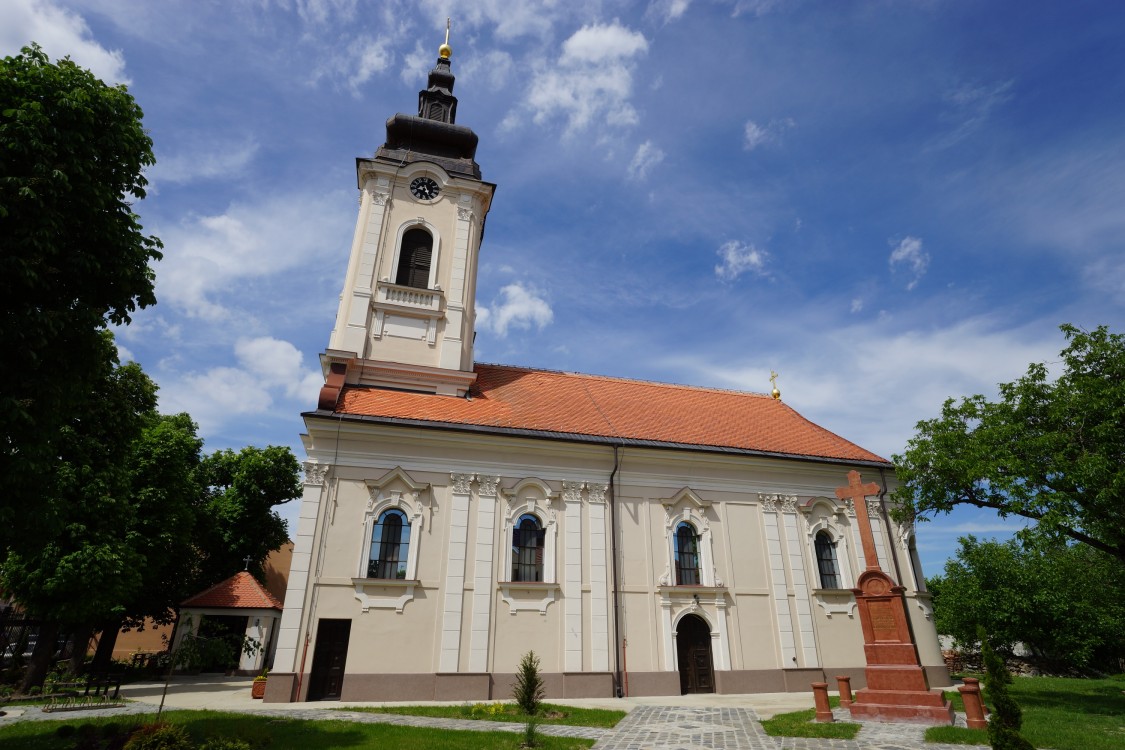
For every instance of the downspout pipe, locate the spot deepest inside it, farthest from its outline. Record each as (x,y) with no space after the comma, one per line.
(618,676)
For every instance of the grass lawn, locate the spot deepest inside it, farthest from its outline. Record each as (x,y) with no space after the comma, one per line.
(287,734)
(1059,713)
(549,713)
(801,724)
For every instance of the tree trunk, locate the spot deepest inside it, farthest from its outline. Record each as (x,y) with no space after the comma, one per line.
(40,662)
(103,657)
(81,641)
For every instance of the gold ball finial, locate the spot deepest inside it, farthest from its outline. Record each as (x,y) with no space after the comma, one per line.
(773,381)
(444,51)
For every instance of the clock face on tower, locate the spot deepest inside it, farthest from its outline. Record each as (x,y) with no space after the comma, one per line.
(424,188)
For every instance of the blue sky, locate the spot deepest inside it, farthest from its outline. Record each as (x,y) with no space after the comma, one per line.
(889,203)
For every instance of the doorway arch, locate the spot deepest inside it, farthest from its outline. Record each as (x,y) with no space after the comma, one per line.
(693,652)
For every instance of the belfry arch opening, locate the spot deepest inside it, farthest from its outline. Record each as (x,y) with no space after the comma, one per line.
(414,259)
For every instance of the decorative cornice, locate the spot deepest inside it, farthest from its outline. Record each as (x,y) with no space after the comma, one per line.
(874,508)
(849,508)
(769,502)
(572,492)
(486,484)
(464,214)
(788,503)
(596,492)
(461,483)
(315,473)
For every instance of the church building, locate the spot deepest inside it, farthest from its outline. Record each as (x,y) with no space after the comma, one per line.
(641,538)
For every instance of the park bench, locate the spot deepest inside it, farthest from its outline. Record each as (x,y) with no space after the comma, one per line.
(93,693)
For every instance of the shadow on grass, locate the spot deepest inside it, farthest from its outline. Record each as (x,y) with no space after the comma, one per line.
(1101,700)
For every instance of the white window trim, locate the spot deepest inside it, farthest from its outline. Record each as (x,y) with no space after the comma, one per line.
(530,595)
(435,253)
(839,601)
(390,593)
(686,506)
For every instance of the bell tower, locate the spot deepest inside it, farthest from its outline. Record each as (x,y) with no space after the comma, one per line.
(407,310)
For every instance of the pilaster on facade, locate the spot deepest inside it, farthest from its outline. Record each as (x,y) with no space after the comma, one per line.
(572,577)
(801,599)
(354,315)
(483,572)
(776,554)
(599,577)
(288,634)
(878,530)
(454,586)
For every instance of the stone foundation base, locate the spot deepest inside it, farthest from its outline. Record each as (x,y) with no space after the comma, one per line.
(914,707)
(282,687)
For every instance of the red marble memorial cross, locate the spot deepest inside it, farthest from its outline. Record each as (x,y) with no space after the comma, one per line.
(897,688)
(857,491)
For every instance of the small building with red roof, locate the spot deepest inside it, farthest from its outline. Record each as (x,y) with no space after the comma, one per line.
(240,607)
(642,538)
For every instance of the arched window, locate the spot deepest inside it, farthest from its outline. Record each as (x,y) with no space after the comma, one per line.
(687,555)
(826,561)
(414,259)
(528,538)
(390,543)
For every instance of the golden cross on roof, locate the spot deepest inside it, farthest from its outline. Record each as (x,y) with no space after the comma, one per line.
(445,50)
(773,381)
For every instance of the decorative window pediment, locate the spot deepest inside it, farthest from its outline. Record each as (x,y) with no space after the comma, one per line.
(827,526)
(685,515)
(529,552)
(395,499)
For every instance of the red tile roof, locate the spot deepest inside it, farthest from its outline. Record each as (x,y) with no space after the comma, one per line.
(517,398)
(240,591)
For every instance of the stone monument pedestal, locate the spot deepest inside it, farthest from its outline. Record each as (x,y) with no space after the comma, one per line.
(897,689)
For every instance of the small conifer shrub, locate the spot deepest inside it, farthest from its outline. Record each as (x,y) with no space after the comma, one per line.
(1007,718)
(528,690)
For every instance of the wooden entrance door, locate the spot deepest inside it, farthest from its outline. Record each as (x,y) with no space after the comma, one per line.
(327,675)
(693,648)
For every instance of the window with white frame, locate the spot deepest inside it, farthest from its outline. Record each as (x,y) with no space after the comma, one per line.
(826,561)
(686,544)
(390,546)
(528,544)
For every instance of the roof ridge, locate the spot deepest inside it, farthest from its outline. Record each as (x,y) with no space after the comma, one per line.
(618,379)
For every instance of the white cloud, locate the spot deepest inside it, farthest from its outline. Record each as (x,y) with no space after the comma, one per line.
(509,19)
(601,43)
(591,81)
(213,161)
(857,304)
(270,371)
(416,65)
(494,68)
(278,363)
(123,354)
(756,135)
(205,256)
(648,156)
(320,11)
(908,254)
(518,307)
(738,258)
(357,62)
(60,33)
(973,105)
(667,10)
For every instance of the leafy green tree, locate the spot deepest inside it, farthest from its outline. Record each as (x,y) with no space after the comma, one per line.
(1064,603)
(72,152)
(238,517)
(163,465)
(1050,451)
(82,567)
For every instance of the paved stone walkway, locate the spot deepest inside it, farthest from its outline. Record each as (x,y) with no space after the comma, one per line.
(679,728)
(645,728)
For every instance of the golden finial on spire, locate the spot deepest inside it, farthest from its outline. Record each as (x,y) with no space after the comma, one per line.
(445,50)
(773,381)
